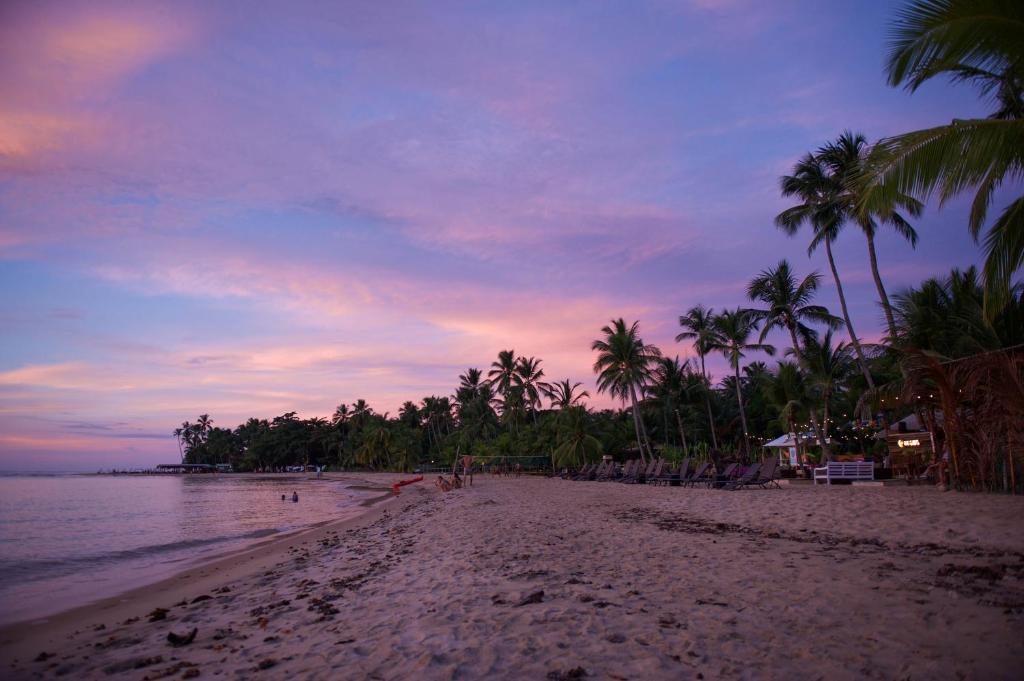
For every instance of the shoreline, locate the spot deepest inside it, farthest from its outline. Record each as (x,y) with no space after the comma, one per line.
(184,584)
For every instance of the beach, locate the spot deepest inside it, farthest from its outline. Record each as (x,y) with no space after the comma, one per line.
(534,578)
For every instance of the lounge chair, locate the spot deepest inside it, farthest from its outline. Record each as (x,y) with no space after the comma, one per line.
(753,470)
(654,475)
(646,471)
(701,476)
(640,472)
(585,472)
(633,472)
(725,476)
(679,474)
(768,476)
(608,473)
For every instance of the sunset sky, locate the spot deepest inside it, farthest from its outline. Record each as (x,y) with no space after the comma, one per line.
(249,208)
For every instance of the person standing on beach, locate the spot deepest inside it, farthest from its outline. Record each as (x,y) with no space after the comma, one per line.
(467,469)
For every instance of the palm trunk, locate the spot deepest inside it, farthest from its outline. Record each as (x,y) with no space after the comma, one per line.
(826,453)
(664,414)
(682,433)
(743,414)
(707,402)
(636,424)
(882,297)
(796,440)
(824,413)
(643,427)
(858,350)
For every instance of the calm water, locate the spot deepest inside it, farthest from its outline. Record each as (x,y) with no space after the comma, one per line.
(66,540)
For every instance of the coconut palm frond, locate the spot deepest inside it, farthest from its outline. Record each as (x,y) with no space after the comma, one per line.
(931,37)
(1004,255)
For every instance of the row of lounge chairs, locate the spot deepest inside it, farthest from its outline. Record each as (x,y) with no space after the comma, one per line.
(660,472)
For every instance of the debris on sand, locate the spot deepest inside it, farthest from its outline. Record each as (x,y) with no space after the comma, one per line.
(179,640)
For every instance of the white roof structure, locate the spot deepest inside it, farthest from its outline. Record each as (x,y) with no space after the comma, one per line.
(786,441)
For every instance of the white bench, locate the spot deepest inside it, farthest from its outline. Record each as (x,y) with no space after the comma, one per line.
(845,470)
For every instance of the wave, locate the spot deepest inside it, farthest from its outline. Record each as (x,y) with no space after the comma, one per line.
(32,570)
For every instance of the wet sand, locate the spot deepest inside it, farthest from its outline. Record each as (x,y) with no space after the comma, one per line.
(551,579)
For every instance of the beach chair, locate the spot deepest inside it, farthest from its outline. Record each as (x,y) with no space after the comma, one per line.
(608,473)
(725,477)
(601,470)
(653,475)
(701,476)
(627,469)
(584,473)
(768,475)
(753,470)
(632,471)
(670,474)
(652,470)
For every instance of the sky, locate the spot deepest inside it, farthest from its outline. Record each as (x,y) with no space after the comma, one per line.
(245,209)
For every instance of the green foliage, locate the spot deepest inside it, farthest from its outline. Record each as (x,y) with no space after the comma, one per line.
(980,42)
(575,445)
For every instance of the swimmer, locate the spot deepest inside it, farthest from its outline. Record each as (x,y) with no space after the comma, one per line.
(295,497)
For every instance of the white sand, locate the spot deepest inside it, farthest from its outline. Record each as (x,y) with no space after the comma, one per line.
(638,583)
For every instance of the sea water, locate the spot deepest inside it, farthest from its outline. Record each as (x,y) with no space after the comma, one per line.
(67,540)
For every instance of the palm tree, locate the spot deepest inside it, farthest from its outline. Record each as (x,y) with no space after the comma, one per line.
(624,364)
(668,390)
(410,415)
(361,413)
(503,372)
(699,326)
(733,329)
(177,436)
(847,160)
(818,190)
(528,378)
(788,302)
(476,416)
(828,367)
(205,424)
(563,394)
(471,383)
(376,448)
(979,42)
(945,317)
(788,306)
(438,412)
(786,391)
(341,415)
(575,444)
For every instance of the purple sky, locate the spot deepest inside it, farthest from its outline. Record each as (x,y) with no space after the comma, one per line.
(214,207)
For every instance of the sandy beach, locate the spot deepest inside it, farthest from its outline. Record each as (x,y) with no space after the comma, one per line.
(536,578)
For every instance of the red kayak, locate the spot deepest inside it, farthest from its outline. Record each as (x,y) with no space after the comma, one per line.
(402,483)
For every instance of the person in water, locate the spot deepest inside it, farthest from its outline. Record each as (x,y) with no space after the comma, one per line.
(283,497)
(295,497)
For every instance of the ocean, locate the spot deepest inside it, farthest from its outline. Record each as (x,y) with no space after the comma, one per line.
(70,539)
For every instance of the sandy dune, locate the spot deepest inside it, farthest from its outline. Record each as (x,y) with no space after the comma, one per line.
(549,579)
